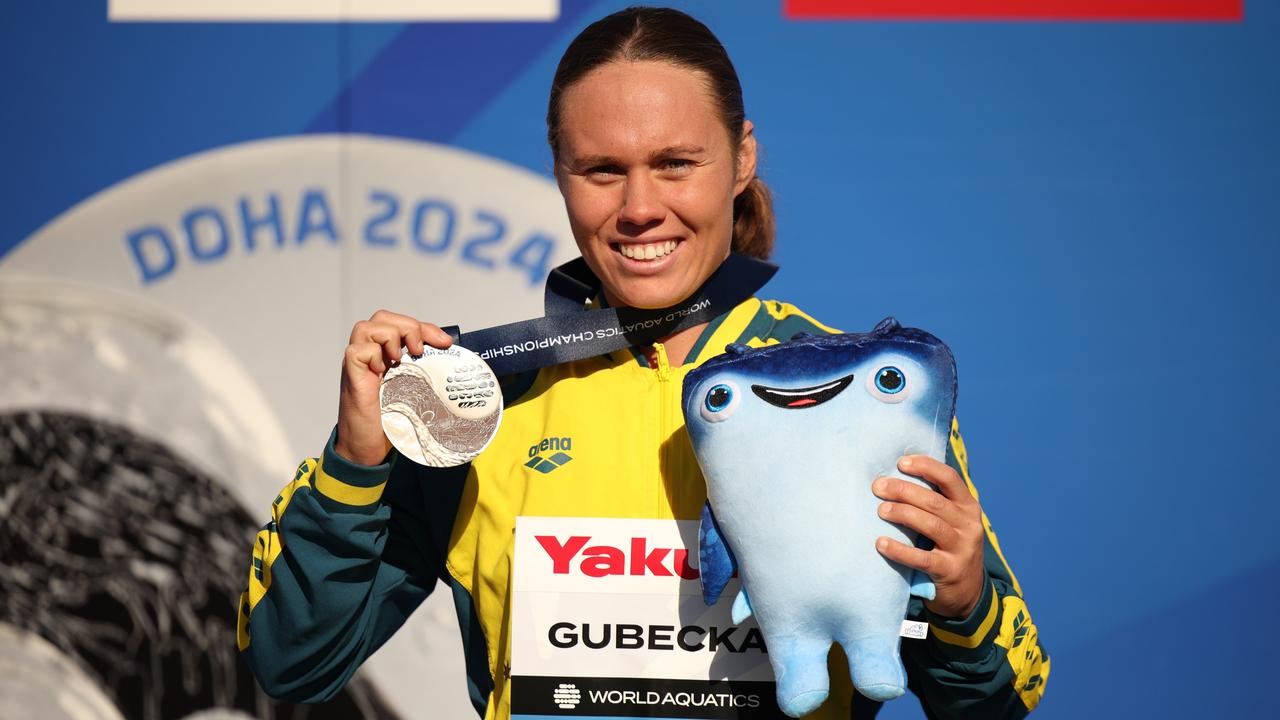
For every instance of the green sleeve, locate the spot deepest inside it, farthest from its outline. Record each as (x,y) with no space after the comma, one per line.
(989,665)
(348,555)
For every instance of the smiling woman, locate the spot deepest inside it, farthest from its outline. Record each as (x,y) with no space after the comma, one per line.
(649,176)
(653,154)
(656,162)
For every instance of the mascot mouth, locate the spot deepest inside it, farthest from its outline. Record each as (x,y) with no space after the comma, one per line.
(796,398)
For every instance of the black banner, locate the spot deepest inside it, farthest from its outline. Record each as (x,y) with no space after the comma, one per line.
(642,698)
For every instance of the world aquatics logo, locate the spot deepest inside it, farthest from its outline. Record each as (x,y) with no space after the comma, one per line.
(567,696)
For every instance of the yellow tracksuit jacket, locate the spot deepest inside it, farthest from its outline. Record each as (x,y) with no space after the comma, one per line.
(350,550)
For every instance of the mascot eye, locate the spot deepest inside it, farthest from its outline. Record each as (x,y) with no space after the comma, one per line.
(888,384)
(890,380)
(720,402)
(719,398)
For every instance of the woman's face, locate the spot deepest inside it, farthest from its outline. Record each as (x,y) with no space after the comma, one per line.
(649,174)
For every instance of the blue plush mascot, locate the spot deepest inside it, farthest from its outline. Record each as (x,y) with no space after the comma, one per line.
(790,438)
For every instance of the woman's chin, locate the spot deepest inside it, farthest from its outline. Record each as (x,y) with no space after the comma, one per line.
(649,293)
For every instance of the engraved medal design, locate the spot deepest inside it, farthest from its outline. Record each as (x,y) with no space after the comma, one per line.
(442,408)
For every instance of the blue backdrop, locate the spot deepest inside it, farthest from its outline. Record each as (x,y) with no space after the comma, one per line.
(1086,212)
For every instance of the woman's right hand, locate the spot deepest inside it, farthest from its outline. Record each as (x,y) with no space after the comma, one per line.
(375,345)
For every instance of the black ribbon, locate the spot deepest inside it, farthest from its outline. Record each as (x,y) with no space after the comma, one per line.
(567,332)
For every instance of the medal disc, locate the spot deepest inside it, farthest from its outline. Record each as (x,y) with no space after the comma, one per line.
(441,408)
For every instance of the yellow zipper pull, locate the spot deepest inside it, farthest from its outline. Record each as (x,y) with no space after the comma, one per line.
(664,366)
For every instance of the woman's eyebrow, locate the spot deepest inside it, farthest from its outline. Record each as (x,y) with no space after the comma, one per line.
(671,150)
(594,160)
(666,152)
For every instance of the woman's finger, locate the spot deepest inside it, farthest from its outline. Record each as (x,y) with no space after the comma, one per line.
(388,336)
(413,332)
(411,336)
(942,533)
(927,499)
(366,355)
(930,562)
(434,336)
(940,475)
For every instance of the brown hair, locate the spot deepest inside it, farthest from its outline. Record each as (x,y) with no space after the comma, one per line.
(643,33)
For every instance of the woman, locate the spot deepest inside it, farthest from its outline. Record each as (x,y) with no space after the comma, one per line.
(656,163)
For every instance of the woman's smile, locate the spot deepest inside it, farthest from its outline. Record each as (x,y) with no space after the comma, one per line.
(648,250)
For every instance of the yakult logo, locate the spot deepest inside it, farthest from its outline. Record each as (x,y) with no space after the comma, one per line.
(574,555)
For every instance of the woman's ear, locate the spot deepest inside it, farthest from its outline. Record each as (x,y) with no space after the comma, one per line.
(746,158)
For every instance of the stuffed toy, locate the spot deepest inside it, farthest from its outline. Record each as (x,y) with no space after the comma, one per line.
(790,438)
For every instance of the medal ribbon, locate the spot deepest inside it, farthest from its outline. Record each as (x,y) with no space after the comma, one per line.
(569,332)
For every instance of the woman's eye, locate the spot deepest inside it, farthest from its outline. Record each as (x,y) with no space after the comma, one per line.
(677,165)
(888,384)
(719,402)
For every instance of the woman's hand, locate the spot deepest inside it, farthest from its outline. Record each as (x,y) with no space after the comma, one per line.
(373,348)
(951,518)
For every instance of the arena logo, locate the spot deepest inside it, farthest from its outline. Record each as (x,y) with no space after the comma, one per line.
(598,561)
(544,465)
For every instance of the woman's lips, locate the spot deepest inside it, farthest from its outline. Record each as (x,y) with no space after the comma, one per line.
(646,258)
(648,250)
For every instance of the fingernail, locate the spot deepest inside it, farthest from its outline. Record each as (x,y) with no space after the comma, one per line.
(905,462)
(882,544)
(885,509)
(880,485)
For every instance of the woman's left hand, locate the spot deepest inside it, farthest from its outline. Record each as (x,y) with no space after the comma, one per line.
(951,518)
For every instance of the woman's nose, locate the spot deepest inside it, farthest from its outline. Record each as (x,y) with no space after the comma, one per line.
(641,200)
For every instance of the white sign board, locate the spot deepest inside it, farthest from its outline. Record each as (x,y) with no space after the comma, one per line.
(608,620)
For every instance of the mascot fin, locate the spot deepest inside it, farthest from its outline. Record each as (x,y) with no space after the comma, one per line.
(741,607)
(715,560)
(922,586)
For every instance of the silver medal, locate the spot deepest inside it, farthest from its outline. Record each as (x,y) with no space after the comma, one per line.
(442,408)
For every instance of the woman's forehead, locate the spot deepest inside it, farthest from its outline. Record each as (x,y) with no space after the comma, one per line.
(634,109)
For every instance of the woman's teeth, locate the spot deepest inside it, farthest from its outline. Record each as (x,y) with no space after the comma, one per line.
(649,251)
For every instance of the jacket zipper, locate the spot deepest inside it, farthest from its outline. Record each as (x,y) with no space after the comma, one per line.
(663,371)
